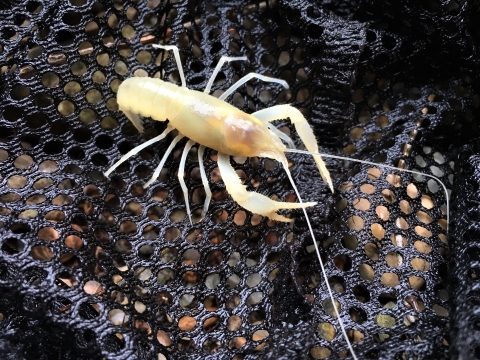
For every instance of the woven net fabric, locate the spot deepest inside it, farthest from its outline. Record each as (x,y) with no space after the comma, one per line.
(92,267)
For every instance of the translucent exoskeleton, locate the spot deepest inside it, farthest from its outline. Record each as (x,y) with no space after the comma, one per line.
(212,122)
(216,124)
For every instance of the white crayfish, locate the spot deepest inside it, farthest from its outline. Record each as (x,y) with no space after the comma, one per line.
(212,122)
(216,124)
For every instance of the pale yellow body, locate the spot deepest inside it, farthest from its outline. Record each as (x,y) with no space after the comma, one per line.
(216,124)
(200,117)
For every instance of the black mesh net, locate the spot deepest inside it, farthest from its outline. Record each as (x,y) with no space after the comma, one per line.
(101,268)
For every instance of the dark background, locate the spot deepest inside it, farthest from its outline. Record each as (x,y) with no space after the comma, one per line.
(100,268)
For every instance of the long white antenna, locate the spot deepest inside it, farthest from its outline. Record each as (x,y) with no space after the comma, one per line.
(285,165)
(383,165)
(342,326)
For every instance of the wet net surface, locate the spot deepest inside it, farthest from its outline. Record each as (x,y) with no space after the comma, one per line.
(101,268)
